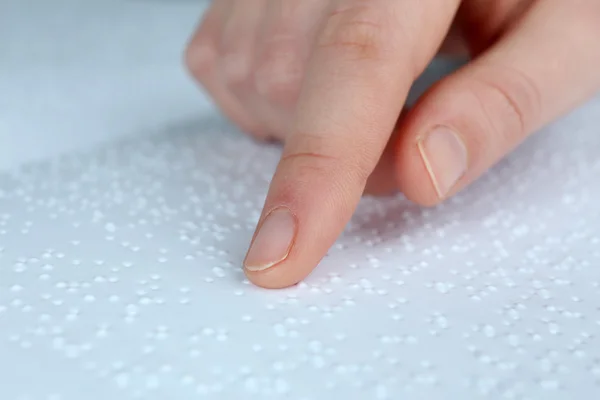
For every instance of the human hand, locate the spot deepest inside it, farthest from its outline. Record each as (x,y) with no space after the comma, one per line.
(330,78)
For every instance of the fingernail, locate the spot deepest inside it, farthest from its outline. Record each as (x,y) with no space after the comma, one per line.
(445,157)
(273,241)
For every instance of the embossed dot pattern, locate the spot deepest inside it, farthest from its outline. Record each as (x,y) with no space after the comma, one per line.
(120,273)
(120,265)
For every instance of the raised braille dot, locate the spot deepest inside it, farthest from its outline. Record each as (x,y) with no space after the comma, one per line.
(489,331)
(222,337)
(251,385)
(187,380)
(257,348)
(132,309)
(280,330)
(195,353)
(549,384)
(489,258)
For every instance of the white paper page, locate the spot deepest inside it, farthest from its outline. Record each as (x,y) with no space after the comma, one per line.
(126,206)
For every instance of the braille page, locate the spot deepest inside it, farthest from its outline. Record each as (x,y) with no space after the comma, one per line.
(120,258)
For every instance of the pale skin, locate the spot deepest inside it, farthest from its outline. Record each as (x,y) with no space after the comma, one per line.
(329,78)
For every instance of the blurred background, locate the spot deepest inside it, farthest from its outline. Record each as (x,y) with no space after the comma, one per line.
(77,73)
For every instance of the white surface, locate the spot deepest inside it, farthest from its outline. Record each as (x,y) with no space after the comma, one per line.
(119,263)
(74,74)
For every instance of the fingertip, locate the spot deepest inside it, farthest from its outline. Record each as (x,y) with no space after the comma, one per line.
(292,268)
(274,278)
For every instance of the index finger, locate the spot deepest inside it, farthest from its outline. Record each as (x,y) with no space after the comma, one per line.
(366,58)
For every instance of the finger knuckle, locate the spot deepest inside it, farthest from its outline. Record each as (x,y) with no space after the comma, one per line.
(236,55)
(235,67)
(200,56)
(516,96)
(314,157)
(278,76)
(358,32)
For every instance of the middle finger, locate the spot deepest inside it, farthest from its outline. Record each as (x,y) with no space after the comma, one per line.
(287,33)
